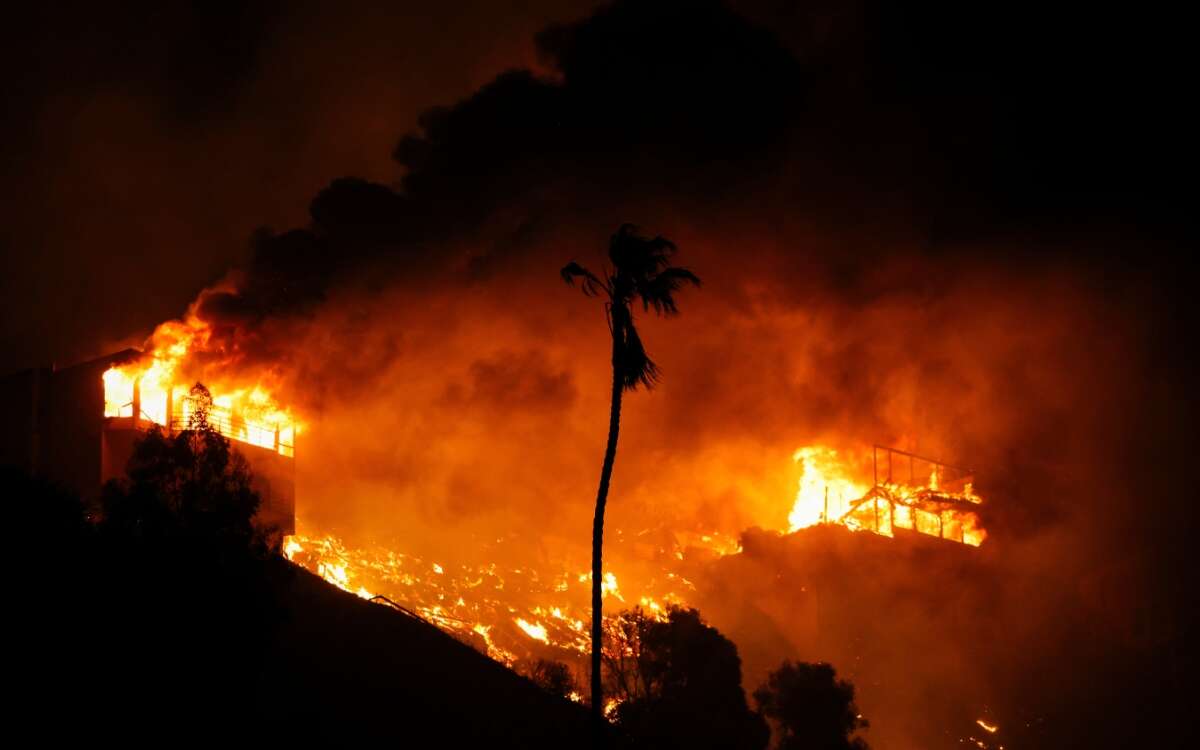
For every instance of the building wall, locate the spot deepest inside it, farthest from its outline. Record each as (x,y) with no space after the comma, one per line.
(19,405)
(54,426)
(53,423)
(72,425)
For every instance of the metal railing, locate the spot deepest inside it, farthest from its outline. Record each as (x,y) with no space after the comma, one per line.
(264,436)
(955,475)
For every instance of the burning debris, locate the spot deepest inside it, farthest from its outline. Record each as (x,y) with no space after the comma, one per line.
(509,613)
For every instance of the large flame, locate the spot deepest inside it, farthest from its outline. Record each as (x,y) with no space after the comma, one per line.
(153,388)
(826,489)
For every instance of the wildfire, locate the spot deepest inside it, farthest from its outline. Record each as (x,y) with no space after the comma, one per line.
(510,614)
(518,613)
(153,389)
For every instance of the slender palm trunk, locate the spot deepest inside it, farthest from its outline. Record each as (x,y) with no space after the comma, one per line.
(610,455)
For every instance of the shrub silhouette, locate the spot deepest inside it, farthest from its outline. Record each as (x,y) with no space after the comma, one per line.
(553,676)
(814,709)
(679,683)
(192,483)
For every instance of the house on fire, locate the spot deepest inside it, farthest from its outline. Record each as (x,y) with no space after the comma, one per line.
(59,424)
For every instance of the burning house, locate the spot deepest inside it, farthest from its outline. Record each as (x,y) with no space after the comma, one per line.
(908,494)
(77,426)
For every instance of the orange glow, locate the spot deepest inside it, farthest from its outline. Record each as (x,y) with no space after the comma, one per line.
(515,613)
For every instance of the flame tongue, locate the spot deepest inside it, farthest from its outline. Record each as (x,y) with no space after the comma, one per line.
(826,489)
(153,389)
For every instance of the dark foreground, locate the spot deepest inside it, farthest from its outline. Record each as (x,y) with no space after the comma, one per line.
(175,641)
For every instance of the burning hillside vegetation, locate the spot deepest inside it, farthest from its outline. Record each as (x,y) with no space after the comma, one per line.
(516,613)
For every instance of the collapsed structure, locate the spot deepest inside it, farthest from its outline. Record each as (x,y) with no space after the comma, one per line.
(908,493)
(944,507)
(77,426)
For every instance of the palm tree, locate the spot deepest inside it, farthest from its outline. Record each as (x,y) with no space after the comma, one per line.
(639,270)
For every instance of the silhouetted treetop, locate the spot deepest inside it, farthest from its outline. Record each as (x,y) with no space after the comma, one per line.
(640,271)
(814,709)
(191,483)
(554,677)
(679,683)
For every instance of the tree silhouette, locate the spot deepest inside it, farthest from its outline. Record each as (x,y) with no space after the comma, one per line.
(678,683)
(639,270)
(188,582)
(200,404)
(192,483)
(814,709)
(552,676)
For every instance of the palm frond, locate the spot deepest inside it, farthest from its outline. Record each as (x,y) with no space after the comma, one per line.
(636,257)
(640,268)
(636,366)
(659,290)
(588,281)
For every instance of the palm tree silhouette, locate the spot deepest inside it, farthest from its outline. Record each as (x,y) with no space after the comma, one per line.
(640,270)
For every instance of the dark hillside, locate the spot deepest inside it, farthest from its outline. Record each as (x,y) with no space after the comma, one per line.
(148,639)
(351,668)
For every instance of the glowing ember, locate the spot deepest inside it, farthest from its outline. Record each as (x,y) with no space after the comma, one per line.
(510,614)
(536,631)
(986,726)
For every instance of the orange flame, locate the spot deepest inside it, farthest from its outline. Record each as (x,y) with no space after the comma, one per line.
(153,389)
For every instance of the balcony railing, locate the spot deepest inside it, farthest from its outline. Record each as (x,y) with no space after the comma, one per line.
(264,436)
(243,431)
